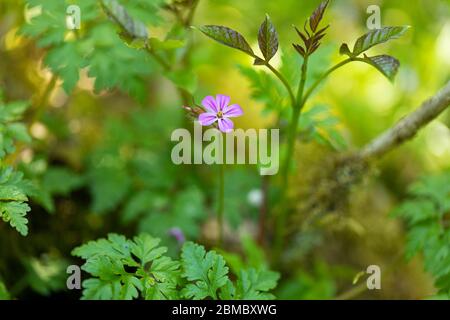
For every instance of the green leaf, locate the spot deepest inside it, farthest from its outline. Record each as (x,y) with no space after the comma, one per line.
(116,246)
(142,202)
(96,289)
(268,39)
(15,214)
(373,38)
(254,285)
(13,208)
(435,188)
(4,294)
(119,14)
(112,64)
(317,15)
(208,270)
(345,50)
(228,37)
(146,248)
(12,111)
(108,185)
(66,61)
(11,130)
(125,269)
(265,89)
(320,125)
(187,211)
(130,287)
(46,274)
(426,213)
(387,65)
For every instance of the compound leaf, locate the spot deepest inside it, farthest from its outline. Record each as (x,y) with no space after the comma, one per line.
(208,270)
(373,38)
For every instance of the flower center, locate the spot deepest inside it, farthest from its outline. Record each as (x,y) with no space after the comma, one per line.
(219,114)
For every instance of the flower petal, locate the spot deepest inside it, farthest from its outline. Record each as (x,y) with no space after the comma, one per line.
(225,125)
(233,111)
(222,101)
(210,104)
(207,118)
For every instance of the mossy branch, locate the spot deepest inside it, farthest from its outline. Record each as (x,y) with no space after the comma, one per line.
(407,127)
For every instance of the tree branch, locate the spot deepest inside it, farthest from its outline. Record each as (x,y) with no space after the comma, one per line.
(407,127)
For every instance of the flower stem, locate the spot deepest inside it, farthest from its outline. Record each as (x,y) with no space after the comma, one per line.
(221,203)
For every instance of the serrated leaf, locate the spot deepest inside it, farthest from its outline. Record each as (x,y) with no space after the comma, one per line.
(426,213)
(146,248)
(376,37)
(208,270)
(317,15)
(254,285)
(11,130)
(267,39)
(66,60)
(125,269)
(13,208)
(15,214)
(130,287)
(96,289)
(228,37)
(115,246)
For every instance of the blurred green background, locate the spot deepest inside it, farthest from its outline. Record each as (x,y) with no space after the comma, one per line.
(101,157)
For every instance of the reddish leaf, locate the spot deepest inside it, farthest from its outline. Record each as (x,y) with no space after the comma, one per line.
(317,15)
(228,37)
(268,39)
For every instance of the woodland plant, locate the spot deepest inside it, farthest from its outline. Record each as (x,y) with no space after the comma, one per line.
(310,37)
(127,269)
(132,187)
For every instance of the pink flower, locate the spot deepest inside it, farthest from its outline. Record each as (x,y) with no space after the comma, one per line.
(178,234)
(219,110)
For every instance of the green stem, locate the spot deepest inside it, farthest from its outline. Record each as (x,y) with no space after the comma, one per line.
(221,203)
(190,17)
(297,109)
(325,75)
(301,86)
(292,133)
(302,98)
(283,80)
